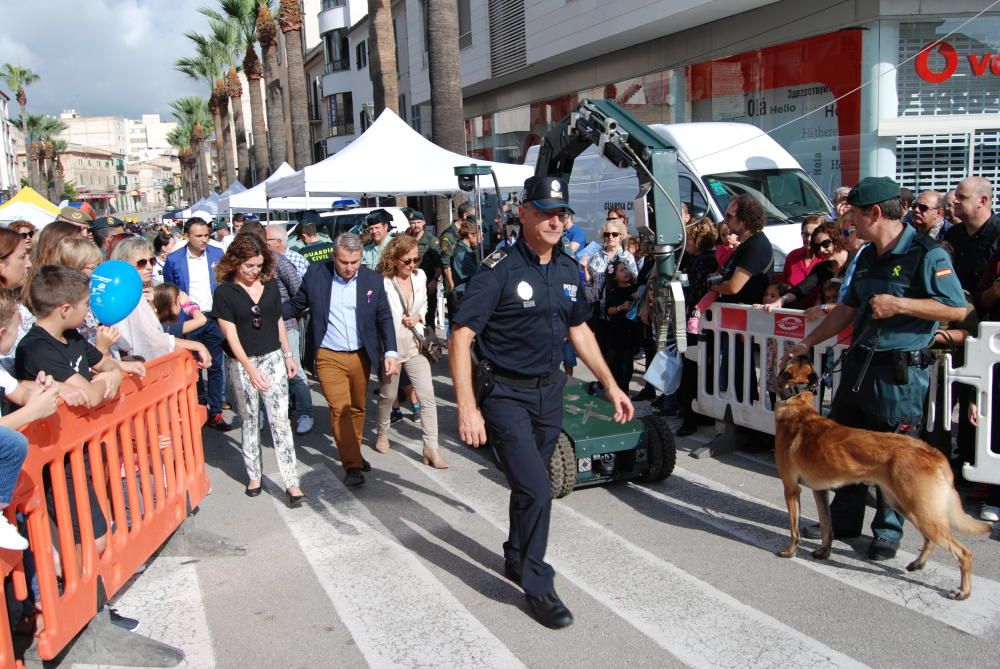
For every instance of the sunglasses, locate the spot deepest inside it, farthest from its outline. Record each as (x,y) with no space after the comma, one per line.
(256,322)
(142,262)
(825,244)
(26,235)
(921,207)
(612,234)
(547,213)
(847,232)
(408,261)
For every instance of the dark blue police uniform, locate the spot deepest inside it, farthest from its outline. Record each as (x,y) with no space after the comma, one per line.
(892,390)
(521,312)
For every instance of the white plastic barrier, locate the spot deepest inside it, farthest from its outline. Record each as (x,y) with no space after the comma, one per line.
(982,356)
(759,339)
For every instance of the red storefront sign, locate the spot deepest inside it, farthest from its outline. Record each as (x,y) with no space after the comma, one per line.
(979,64)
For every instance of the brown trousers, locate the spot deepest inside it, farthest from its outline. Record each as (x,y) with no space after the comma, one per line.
(343,378)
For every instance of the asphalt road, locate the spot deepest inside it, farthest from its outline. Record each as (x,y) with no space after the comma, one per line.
(406,572)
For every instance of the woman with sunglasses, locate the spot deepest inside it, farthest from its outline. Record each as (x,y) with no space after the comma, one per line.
(141,334)
(247,304)
(406,290)
(826,244)
(614,234)
(26,230)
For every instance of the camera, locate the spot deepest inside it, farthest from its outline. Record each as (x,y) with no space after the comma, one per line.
(715,279)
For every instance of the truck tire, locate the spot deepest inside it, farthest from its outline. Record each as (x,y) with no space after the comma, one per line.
(562,467)
(661,449)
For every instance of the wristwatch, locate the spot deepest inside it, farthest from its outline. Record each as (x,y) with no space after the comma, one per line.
(289,354)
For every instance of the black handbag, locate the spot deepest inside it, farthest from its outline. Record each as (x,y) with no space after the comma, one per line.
(428,344)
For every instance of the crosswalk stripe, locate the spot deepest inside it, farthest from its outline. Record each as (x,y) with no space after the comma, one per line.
(699,624)
(397,612)
(765,525)
(166,600)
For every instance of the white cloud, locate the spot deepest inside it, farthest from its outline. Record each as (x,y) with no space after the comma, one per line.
(102,56)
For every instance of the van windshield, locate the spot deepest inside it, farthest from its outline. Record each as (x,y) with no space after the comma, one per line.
(788,195)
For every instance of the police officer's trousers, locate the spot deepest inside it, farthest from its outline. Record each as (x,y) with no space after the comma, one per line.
(523,425)
(881,406)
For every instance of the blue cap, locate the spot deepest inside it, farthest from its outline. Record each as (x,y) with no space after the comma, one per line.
(547,193)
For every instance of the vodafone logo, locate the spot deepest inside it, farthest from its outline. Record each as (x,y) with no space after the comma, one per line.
(979,64)
(789,326)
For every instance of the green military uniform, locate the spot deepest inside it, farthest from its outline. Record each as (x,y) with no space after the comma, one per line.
(891,382)
(317,252)
(429,251)
(372,252)
(447,242)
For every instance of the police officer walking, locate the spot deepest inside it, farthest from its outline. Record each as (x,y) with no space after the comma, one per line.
(903,285)
(519,308)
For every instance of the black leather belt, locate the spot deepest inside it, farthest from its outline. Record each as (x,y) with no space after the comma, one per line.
(920,358)
(522,381)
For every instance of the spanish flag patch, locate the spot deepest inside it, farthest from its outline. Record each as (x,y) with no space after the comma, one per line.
(943,272)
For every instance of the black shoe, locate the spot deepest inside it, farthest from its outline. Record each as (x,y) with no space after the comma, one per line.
(813,532)
(294,501)
(365,465)
(687,428)
(128,624)
(550,611)
(253,492)
(219,423)
(667,412)
(881,549)
(354,477)
(512,570)
(644,395)
(396,415)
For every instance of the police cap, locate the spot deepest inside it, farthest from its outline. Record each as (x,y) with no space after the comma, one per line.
(377,216)
(220,224)
(872,190)
(311,216)
(414,215)
(75,216)
(547,193)
(106,223)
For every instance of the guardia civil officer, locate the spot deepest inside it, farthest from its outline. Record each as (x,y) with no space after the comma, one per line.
(903,285)
(520,307)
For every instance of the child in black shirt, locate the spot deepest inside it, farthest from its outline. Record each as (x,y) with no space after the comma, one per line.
(620,346)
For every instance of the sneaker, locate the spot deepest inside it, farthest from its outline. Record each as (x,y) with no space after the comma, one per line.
(353,477)
(396,416)
(881,549)
(415,416)
(990,513)
(219,423)
(304,424)
(644,395)
(10,538)
(126,623)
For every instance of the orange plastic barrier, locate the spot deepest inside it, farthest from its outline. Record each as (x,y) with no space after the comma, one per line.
(143,456)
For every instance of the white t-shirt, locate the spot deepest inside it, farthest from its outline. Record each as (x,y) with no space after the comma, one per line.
(7,382)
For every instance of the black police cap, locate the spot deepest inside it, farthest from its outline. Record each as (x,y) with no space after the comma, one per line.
(547,193)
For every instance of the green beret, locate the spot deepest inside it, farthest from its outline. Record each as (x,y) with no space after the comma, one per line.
(872,190)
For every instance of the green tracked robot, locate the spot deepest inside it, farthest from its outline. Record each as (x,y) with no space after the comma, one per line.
(593,448)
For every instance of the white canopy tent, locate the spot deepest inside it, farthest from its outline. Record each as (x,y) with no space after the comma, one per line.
(390,158)
(254,200)
(208,204)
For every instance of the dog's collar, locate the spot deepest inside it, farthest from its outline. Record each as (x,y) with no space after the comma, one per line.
(791,391)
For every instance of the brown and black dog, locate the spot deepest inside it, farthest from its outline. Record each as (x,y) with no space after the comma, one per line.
(915,478)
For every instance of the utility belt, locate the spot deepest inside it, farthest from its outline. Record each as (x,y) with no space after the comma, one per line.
(485,374)
(899,361)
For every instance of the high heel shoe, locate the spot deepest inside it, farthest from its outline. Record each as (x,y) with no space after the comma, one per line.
(432,458)
(294,501)
(382,444)
(253,492)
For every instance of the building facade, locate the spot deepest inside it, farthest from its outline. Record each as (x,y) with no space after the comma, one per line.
(899,88)
(9,181)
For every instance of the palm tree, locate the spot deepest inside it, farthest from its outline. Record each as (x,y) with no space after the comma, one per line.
(59,147)
(242,14)
(225,35)
(382,56)
(290,19)
(180,137)
(193,115)
(16,78)
(168,191)
(267,35)
(207,66)
(40,130)
(447,120)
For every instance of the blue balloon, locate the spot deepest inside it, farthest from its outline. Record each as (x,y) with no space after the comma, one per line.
(115,290)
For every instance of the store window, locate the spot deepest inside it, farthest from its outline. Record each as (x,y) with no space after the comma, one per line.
(464,24)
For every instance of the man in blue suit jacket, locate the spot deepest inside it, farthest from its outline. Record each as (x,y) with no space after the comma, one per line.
(192,269)
(351,329)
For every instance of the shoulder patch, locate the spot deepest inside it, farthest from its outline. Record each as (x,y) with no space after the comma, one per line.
(493,259)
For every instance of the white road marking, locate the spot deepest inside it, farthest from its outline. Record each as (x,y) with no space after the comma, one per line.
(766,525)
(694,621)
(166,600)
(397,612)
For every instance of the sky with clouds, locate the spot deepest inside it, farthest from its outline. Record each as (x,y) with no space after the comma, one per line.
(101,56)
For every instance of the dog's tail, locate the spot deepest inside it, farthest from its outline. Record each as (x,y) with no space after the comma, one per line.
(963,522)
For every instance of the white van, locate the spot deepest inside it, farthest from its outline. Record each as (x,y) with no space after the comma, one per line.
(716,161)
(342,221)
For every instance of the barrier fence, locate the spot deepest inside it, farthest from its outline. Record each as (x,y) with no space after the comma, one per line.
(135,464)
(741,346)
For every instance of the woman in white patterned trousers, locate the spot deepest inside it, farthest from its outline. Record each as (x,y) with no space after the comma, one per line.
(247,304)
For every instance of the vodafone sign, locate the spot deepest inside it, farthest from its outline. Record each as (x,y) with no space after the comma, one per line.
(979,64)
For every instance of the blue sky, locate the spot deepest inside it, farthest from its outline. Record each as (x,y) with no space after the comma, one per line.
(101,56)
